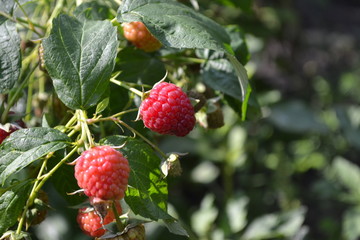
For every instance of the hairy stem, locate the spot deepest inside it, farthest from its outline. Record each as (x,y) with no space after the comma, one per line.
(29,22)
(122,84)
(85,131)
(119,224)
(143,137)
(111,118)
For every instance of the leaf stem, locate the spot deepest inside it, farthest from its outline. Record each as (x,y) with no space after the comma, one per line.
(119,224)
(111,118)
(57,166)
(33,193)
(29,100)
(85,131)
(189,60)
(21,22)
(71,121)
(29,22)
(114,20)
(122,84)
(55,12)
(142,136)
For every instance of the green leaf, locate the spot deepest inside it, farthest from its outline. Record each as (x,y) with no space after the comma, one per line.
(219,74)
(147,191)
(25,146)
(174,24)
(102,105)
(175,227)
(242,77)
(238,43)
(119,97)
(12,203)
(80,57)
(249,109)
(225,73)
(92,11)
(10,58)
(138,66)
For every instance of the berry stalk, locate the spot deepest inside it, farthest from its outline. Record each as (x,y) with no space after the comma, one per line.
(122,84)
(85,131)
(119,224)
(142,136)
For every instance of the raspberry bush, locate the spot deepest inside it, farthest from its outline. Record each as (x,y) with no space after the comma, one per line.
(71,72)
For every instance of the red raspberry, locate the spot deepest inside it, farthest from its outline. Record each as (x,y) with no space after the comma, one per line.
(90,222)
(167,110)
(102,172)
(6,130)
(139,35)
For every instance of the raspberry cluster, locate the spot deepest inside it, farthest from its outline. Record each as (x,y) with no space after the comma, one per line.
(102,172)
(168,110)
(139,35)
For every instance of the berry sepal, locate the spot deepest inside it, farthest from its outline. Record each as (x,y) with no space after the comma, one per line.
(133,231)
(172,166)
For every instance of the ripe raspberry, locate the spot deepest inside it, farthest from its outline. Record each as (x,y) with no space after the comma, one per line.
(139,35)
(90,222)
(102,172)
(168,110)
(6,130)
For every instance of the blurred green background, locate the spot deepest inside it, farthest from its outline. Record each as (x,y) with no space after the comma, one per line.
(291,172)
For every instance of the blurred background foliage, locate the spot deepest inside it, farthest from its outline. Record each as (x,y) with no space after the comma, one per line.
(292,170)
(292,173)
